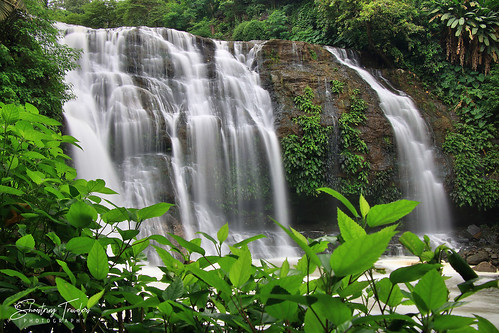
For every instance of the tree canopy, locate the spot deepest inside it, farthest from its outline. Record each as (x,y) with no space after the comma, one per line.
(32,62)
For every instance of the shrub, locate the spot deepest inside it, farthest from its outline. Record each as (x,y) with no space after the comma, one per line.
(71,261)
(250,30)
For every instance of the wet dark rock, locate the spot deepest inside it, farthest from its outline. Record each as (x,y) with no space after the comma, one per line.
(478,257)
(287,67)
(474,231)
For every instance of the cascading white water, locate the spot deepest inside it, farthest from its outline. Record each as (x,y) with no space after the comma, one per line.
(416,156)
(159,111)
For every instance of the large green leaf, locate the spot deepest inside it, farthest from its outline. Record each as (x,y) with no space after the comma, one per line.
(9,113)
(412,242)
(26,242)
(32,115)
(71,294)
(364,206)
(36,176)
(174,290)
(223,233)
(81,215)
(431,290)
(485,326)
(340,197)
(170,262)
(97,262)
(354,289)
(99,186)
(13,273)
(115,215)
(411,273)
(461,266)
(249,240)
(17,296)
(156,210)
(147,303)
(327,310)
(285,310)
(359,254)
(349,229)
(211,278)
(10,190)
(303,245)
(128,234)
(448,322)
(389,213)
(389,293)
(80,245)
(188,245)
(66,269)
(95,298)
(242,269)
(140,245)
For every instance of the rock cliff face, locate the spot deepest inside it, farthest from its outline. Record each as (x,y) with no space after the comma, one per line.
(287,67)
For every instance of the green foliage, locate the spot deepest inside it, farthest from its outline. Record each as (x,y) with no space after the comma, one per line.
(100,14)
(472,143)
(238,33)
(250,30)
(352,148)
(337,86)
(383,28)
(202,28)
(32,62)
(305,155)
(277,25)
(8,7)
(178,16)
(141,12)
(52,230)
(307,25)
(64,246)
(470,31)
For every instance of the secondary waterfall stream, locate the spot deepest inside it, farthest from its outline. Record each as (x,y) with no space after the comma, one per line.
(163,115)
(416,156)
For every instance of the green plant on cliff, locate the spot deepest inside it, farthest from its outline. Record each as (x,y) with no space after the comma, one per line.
(305,154)
(473,140)
(353,149)
(337,86)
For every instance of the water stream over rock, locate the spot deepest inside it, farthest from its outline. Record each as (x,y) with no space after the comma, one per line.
(416,156)
(163,115)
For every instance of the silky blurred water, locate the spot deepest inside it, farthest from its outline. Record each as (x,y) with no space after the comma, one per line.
(416,158)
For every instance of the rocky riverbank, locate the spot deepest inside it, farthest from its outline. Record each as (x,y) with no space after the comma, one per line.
(481,247)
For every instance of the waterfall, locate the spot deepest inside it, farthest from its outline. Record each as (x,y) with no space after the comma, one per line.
(163,115)
(416,156)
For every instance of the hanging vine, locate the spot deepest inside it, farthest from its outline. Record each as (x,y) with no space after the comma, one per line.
(305,154)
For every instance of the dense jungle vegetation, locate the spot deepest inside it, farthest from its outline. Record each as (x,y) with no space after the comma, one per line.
(71,260)
(451,45)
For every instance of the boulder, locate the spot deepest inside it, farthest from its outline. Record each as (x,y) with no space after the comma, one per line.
(485,266)
(478,257)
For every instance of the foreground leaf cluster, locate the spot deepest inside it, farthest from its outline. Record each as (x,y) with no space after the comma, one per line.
(71,261)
